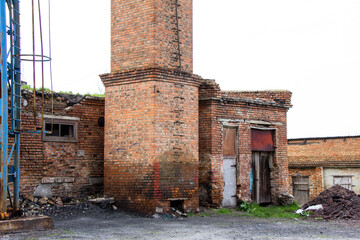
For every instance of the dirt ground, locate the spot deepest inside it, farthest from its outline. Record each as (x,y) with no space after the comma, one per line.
(120,225)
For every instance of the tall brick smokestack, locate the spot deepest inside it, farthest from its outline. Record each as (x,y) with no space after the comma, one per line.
(151,33)
(151,107)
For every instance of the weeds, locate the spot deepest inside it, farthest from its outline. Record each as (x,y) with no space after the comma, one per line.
(223,211)
(256,210)
(28,87)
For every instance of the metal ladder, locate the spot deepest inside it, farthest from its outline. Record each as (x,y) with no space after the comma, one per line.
(10,101)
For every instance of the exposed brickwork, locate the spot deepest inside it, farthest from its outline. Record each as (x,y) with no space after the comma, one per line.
(244,110)
(315,179)
(151,140)
(151,135)
(308,157)
(336,151)
(70,169)
(143,34)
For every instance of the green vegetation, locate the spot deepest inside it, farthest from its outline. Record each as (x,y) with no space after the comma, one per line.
(222,211)
(254,210)
(28,87)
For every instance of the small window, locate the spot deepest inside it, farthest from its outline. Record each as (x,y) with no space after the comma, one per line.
(60,130)
(344,181)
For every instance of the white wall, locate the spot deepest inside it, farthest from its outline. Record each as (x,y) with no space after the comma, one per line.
(329,173)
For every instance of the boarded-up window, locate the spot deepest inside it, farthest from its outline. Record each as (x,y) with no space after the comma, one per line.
(229,148)
(262,140)
(344,181)
(301,189)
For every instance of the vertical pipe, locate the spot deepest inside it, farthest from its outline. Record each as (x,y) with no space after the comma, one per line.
(17,100)
(4,108)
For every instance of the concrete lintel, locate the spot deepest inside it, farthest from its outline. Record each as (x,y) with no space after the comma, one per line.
(260,122)
(60,117)
(26,224)
(226,121)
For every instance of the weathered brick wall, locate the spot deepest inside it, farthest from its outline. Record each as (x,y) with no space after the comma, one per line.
(143,34)
(151,139)
(308,157)
(151,135)
(325,151)
(66,169)
(232,108)
(315,179)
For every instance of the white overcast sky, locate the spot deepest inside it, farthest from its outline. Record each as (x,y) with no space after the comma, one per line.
(310,47)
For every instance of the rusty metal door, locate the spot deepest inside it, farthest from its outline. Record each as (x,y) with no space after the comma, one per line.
(229,166)
(301,189)
(261,192)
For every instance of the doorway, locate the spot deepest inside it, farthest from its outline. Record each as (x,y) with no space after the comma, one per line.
(261,187)
(230,144)
(301,189)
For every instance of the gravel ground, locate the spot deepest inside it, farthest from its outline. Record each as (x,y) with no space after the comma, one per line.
(120,225)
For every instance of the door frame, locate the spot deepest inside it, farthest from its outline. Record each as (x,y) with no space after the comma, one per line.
(236,127)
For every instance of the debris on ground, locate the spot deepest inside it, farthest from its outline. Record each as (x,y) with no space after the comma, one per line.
(175,213)
(65,207)
(337,203)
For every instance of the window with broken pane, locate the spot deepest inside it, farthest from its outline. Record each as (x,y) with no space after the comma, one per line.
(60,130)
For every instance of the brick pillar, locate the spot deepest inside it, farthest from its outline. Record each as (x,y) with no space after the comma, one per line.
(151,107)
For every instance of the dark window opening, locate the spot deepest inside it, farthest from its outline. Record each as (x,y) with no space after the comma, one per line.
(177,205)
(60,131)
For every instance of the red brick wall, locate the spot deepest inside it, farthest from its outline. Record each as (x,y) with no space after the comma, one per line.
(143,36)
(151,139)
(337,151)
(218,108)
(315,179)
(62,165)
(308,156)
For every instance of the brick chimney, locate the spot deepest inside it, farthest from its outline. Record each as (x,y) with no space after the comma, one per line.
(151,107)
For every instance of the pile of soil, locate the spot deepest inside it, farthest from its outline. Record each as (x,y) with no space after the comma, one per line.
(338,203)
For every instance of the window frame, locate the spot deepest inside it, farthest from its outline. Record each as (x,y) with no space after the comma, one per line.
(64,121)
(342,185)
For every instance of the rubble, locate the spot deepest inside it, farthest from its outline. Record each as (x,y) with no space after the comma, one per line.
(65,207)
(337,203)
(174,213)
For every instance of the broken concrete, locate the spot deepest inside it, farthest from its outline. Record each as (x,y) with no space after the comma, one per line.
(26,224)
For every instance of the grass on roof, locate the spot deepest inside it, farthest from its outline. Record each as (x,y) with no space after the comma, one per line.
(28,87)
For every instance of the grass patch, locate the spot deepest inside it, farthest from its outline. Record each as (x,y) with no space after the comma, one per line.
(28,87)
(223,211)
(254,210)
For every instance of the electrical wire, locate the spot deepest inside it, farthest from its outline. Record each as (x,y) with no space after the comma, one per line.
(42,70)
(51,76)
(34,68)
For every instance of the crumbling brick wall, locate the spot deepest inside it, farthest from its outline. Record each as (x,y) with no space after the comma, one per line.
(244,110)
(62,168)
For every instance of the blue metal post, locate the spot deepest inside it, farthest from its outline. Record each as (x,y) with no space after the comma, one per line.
(16,100)
(4,108)
(10,83)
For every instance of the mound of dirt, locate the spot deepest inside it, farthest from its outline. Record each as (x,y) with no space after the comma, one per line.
(338,203)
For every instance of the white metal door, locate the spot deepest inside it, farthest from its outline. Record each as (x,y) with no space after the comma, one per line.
(229,177)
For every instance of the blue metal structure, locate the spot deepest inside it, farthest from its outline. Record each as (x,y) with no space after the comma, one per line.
(10,101)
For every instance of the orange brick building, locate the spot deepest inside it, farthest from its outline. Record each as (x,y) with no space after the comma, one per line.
(154,125)
(316,164)
(243,152)
(69,160)
(170,138)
